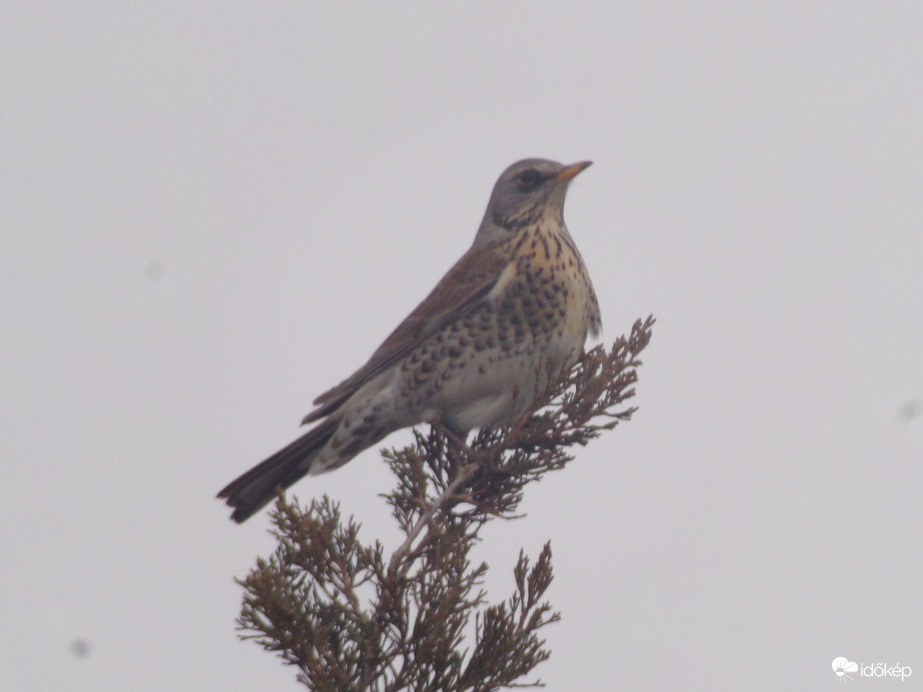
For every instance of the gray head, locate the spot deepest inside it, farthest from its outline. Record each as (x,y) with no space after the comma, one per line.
(525,192)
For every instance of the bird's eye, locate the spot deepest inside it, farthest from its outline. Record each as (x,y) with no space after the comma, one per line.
(528,177)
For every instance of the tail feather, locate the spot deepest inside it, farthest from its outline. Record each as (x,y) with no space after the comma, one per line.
(256,488)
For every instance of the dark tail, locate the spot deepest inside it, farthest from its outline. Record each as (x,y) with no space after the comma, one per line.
(256,488)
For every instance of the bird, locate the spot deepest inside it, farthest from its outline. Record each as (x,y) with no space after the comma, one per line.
(481,350)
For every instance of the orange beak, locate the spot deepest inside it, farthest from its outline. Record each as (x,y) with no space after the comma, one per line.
(571,171)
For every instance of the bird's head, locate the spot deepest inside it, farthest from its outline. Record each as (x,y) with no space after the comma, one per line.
(526,192)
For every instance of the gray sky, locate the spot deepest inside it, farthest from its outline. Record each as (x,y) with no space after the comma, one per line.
(211,215)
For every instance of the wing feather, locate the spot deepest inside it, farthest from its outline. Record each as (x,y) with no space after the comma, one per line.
(463,287)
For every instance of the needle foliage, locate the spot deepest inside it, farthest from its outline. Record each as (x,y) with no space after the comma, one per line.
(351,617)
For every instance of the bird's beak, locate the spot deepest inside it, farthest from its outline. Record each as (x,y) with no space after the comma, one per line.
(571,171)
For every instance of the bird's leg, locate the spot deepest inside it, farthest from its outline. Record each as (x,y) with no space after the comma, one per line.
(457,443)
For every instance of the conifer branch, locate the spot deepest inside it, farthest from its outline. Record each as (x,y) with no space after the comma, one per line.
(351,618)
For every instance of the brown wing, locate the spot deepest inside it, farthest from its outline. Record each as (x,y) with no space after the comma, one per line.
(465,285)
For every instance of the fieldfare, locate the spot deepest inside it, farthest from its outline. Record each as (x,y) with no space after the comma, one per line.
(483,349)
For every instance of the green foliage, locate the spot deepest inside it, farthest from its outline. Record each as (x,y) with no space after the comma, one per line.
(351,618)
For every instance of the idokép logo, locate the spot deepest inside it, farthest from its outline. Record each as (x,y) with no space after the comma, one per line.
(846,670)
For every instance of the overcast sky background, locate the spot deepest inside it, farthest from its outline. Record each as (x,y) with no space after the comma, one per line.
(210,214)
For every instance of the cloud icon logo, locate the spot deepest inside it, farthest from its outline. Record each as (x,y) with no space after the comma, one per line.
(842,666)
